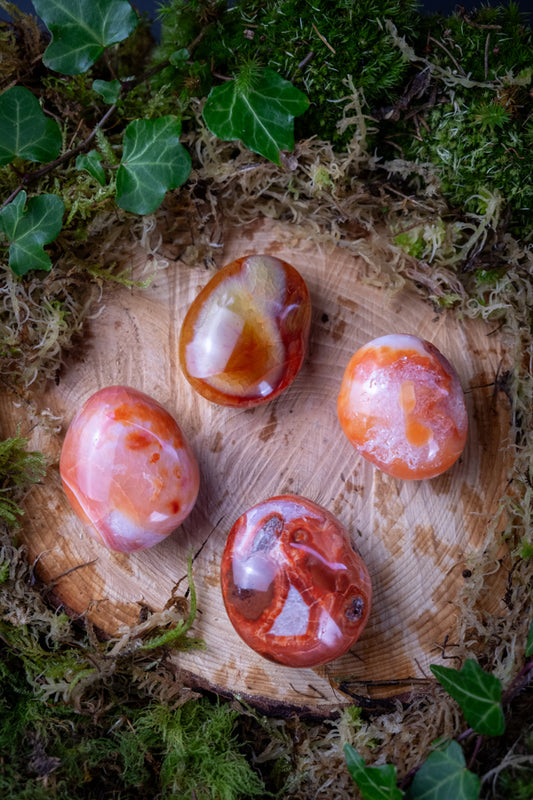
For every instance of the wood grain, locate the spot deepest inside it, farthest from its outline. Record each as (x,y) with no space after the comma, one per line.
(414,536)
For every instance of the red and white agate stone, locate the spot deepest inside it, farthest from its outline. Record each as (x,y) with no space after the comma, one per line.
(243,340)
(294,587)
(128,471)
(402,407)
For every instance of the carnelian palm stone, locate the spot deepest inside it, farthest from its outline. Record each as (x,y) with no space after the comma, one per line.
(294,587)
(402,407)
(127,469)
(243,339)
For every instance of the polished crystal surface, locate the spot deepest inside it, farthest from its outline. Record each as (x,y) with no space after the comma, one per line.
(127,470)
(402,407)
(244,337)
(294,587)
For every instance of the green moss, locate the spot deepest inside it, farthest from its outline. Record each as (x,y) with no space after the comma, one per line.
(466,37)
(316,45)
(199,751)
(526,550)
(468,161)
(476,111)
(18,470)
(53,751)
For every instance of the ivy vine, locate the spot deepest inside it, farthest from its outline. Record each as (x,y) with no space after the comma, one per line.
(257,106)
(445,773)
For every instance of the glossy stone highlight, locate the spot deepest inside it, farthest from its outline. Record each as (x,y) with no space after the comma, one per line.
(244,337)
(402,407)
(127,470)
(294,587)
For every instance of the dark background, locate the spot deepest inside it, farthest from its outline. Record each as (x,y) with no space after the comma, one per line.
(443,6)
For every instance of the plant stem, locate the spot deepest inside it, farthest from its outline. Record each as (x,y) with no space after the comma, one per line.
(477,748)
(127,86)
(30,177)
(519,683)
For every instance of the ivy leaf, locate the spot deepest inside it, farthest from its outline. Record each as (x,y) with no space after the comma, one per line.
(478,693)
(179,57)
(81,29)
(91,162)
(109,90)
(153,161)
(375,783)
(28,230)
(25,131)
(444,775)
(529,644)
(259,110)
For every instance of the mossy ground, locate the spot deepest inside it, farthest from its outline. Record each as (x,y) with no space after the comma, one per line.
(81,718)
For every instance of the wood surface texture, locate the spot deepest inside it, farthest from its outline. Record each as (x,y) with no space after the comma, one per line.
(414,536)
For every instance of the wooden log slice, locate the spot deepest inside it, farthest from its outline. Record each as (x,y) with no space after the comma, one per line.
(415,536)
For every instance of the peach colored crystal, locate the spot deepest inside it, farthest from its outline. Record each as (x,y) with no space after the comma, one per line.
(402,407)
(127,470)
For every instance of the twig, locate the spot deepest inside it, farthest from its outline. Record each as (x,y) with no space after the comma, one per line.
(303,63)
(30,177)
(475,751)
(519,683)
(486,61)
(440,44)
(323,39)
(72,569)
(481,27)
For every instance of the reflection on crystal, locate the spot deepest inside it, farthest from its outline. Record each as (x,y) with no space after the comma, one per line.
(294,587)
(127,470)
(402,407)
(244,337)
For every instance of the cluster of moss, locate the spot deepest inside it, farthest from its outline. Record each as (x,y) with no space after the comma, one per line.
(48,750)
(18,470)
(315,45)
(470,117)
(474,123)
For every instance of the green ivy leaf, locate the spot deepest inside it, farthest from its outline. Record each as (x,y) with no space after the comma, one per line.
(28,230)
(25,131)
(478,693)
(259,111)
(529,645)
(375,783)
(81,29)
(443,776)
(179,57)
(91,162)
(153,161)
(109,90)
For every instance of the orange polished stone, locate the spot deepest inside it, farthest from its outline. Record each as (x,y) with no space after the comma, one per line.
(402,407)
(244,337)
(294,587)
(127,470)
